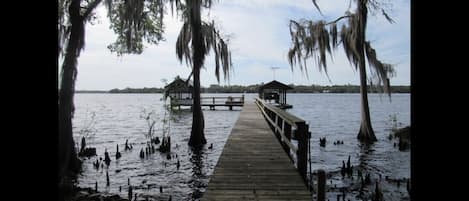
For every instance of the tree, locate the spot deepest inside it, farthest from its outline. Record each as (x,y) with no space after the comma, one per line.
(194,42)
(71,35)
(132,20)
(312,39)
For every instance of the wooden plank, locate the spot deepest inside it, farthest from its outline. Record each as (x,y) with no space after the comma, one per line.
(253,165)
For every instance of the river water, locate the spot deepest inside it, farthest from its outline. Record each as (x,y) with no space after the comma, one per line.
(337,117)
(114,118)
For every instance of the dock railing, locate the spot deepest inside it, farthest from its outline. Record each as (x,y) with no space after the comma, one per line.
(287,127)
(229,101)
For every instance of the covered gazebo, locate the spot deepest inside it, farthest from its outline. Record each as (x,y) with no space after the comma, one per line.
(179,91)
(276,91)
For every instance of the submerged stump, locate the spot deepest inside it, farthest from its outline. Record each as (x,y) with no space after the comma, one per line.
(107,160)
(87,152)
(118,154)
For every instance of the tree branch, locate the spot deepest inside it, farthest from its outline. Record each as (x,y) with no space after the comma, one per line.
(317,48)
(316,5)
(90,8)
(217,34)
(332,22)
(338,19)
(188,78)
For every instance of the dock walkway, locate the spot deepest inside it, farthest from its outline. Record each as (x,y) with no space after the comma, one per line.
(253,164)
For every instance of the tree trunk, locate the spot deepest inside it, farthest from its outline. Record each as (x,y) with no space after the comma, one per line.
(366,133)
(68,160)
(198,49)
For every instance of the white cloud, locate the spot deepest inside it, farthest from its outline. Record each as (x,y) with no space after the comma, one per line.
(260,39)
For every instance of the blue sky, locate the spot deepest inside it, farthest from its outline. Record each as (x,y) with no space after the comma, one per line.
(259,39)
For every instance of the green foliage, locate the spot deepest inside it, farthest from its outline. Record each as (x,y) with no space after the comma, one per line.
(135,22)
(211,37)
(314,39)
(85,13)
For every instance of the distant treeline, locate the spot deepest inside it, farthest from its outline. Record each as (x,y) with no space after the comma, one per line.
(131,90)
(254,89)
(303,89)
(91,91)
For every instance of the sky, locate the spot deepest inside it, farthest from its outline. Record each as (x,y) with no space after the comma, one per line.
(259,39)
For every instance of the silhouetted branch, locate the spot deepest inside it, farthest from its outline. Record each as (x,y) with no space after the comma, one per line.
(316,5)
(189,77)
(91,7)
(338,19)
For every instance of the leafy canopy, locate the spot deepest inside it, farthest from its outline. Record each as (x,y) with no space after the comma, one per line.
(315,39)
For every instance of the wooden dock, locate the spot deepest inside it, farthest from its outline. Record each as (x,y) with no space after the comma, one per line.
(254,165)
(211,102)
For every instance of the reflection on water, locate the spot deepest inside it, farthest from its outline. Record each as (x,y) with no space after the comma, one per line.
(337,117)
(366,151)
(334,116)
(118,119)
(197,183)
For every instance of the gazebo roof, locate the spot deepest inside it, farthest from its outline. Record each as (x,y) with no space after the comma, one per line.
(274,85)
(178,85)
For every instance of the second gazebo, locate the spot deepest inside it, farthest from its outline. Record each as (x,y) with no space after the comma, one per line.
(180,92)
(276,91)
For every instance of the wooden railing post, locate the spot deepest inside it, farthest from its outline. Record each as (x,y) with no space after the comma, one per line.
(287,133)
(302,154)
(275,129)
(321,185)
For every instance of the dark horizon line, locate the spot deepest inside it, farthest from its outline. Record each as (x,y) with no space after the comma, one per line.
(107,92)
(99,90)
